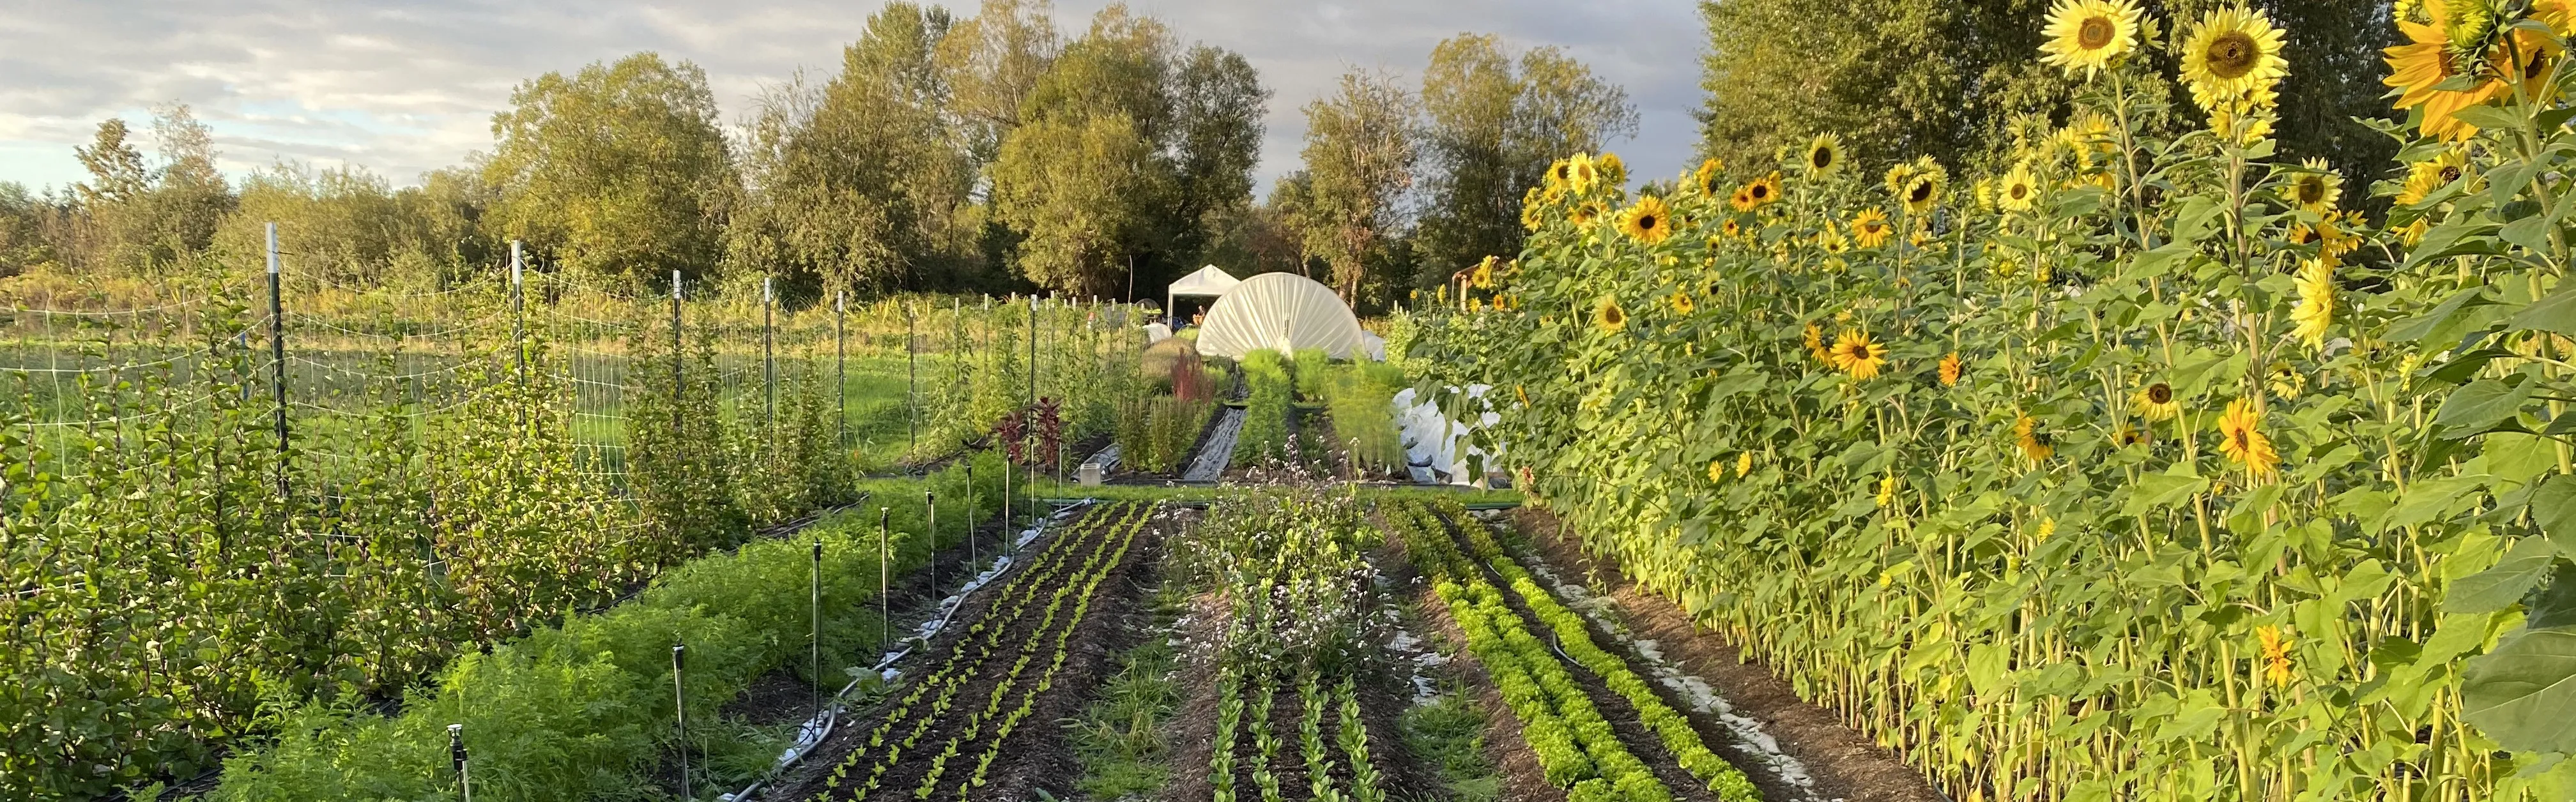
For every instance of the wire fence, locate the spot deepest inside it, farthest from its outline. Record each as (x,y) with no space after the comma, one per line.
(323,489)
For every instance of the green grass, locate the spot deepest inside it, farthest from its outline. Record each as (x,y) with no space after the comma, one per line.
(1120,739)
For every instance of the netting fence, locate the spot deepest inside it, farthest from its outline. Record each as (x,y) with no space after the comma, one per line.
(253,482)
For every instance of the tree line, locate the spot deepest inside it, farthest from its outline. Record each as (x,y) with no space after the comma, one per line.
(993,152)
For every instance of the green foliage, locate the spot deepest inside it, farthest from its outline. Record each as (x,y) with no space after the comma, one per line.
(1155,435)
(1264,437)
(618,170)
(1359,158)
(1361,399)
(1492,124)
(1122,739)
(1314,370)
(1448,733)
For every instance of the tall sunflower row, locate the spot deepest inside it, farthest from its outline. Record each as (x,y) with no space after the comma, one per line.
(2142,468)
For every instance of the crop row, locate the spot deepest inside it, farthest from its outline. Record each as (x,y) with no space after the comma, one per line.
(937,692)
(1576,748)
(1576,643)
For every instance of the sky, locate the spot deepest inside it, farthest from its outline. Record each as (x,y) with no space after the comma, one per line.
(402,88)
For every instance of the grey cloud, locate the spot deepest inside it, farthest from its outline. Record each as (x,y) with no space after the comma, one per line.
(405,87)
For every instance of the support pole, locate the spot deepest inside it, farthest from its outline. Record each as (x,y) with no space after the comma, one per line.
(768,352)
(841,364)
(972,558)
(680,713)
(930,512)
(277,353)
(456,753)
(679,386)
(912,385)
(885,559)
(815,689)
(519,310)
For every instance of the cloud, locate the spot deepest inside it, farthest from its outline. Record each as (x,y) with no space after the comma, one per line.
(402,88)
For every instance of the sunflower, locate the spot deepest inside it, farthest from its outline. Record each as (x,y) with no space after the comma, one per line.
(2243,442)
(1613,171)
(1763,191)
(1581,175)
(1886,490)
(2425,62)
(2089,35)
(1704,179)
(2285,381)
(2034,443)
(1584,213)
(2127,437)
(1607,314)
(1815,341)
(2155,402)
(1533,209)
(1743,464)
(1950,370)
(1483,278)
(2019,191)
(2231,53)
(1716,471)
(1824,153)
(1649,221)
(1855,354)
(1922,188)
(1681,302)
(2276,654)
(2429,175)
(1897,175)
(2316,187)
(1870,228)
(1730,229)
(1560,175)
(1831,240)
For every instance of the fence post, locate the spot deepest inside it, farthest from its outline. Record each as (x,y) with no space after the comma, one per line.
(972,558)
(930,512)
(816,691)
(912,382)
(841,365)
(277,354)
(679,385)
(680,712)
(456,754)
(519,310)
(885,602)
(768,352)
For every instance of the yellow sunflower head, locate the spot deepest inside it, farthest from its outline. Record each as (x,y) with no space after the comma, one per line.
(1483,278)
(1607,314)
(2429,175)
(1761,192)
(1870,228)
(1581,175)
(2315,187)
(2034,441)
(2155,402)
(1824,153)
(2231,53)
(1533,209)
(1730,229)
(1922,189)
(1743,464)
(2127,437)
(2315,310)
(1560,175)
(1856,354)
(1681,301)
(1814,338)
(1897,175)
(1649,221)
(1951,369)
(2019,190)
(1613,171)
(1584,213)
(2241,438)
(1704,179)
(2089,35)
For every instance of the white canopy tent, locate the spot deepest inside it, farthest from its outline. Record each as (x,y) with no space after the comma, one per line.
(1207,282)
(1283,312)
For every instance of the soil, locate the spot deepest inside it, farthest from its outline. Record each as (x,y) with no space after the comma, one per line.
(1035,742)
(1194,723)
(1844,763)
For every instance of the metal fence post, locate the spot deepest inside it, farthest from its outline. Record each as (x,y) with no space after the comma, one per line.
(519,310)
(841,364)
(912,381)
(768,352)
(972,558)
(679,385)
(885,602)
(930,513)
(456,754)
(680,711)
(277,354)
(817,636)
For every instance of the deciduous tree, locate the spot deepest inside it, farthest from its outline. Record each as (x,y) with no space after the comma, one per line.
(617,170)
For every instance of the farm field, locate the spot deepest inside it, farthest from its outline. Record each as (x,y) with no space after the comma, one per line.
(2152,447)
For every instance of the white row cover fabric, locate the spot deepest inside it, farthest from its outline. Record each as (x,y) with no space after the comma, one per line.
(1434,445)
(1280,311)
(1157,332)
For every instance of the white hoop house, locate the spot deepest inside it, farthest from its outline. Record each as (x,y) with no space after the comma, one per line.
(1284,312)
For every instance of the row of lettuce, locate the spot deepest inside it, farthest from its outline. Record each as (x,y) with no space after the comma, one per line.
(1067,575)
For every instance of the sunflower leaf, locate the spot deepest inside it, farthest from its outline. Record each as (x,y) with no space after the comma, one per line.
(2493,117)
(2505,583)
(2520,693)
(2555,312)
(2478,407)
(2553,507)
